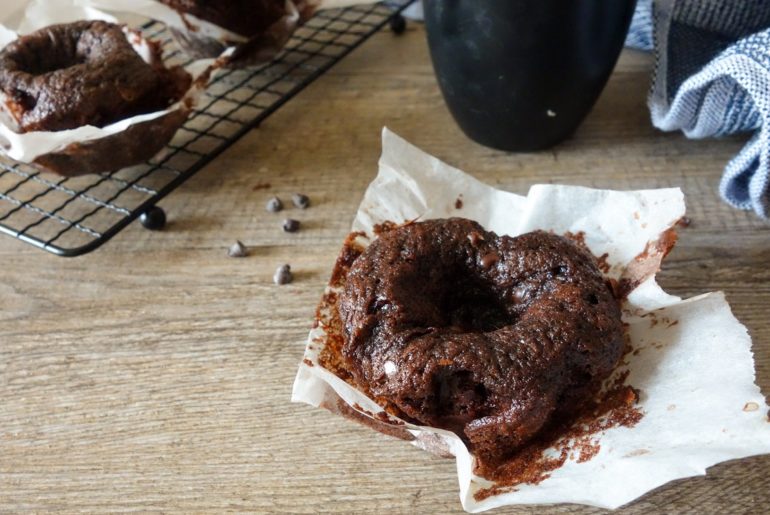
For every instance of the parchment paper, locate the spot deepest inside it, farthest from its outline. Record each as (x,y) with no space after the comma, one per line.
(28,146)
(693,363)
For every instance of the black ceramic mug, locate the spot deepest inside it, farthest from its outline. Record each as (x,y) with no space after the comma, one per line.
(522,74)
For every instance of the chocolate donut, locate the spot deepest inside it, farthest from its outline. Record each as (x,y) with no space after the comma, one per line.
(88,73)
(83,73)
(489,337)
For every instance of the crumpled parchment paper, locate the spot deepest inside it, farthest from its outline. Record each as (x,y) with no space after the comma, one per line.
(691,361)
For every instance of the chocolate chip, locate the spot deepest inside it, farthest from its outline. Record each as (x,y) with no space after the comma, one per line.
(237,250)
(300,200)
(487,260)
(291,225)
(274,205)
(283,275)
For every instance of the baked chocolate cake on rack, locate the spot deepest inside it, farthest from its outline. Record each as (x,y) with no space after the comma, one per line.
(246,18)
(91,73)
(255,30)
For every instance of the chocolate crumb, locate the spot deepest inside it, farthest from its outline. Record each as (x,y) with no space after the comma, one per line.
(283,275)
(261,186)
(237,250)
(684,222)
(384,227)
(459,202)
(290,225)
(300,200)
(274,205)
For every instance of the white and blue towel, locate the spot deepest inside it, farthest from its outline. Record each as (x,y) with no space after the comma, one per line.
(712,78)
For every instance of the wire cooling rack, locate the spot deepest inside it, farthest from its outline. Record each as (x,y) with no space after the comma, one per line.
(73,216)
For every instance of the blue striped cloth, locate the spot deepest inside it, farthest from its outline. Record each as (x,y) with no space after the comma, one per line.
(712,78)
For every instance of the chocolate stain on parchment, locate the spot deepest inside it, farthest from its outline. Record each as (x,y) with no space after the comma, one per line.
(601,263)
(387,427)
(646,264)
(643,266)
(576,439)
(387,226)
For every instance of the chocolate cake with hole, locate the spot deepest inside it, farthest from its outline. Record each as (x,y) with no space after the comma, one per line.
(89,73)
(491,337)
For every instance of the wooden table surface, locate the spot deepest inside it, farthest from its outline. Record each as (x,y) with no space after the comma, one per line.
(155,373)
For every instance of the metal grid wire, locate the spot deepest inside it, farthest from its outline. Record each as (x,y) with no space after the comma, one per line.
(73,216)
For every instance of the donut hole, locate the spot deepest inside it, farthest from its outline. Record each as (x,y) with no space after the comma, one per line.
(473,307)
(454,298)
(49,52)
(51,62)
(593,299)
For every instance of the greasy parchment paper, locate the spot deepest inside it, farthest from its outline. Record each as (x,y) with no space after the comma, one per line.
(692,363)
(26,147)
